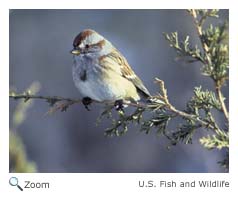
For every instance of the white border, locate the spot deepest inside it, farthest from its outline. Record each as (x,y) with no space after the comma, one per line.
(114,184)
(233,93)
(123,4)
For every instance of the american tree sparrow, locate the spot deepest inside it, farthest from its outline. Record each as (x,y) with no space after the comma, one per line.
(102,73)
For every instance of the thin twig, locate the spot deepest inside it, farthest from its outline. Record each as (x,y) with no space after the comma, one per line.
(30,96)
(221,100)
(68,101)
(198,26)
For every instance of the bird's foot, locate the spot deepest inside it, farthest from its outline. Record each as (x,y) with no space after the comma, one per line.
(86,102)
(119,105)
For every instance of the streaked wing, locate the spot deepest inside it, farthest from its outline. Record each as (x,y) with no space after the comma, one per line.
(124,69)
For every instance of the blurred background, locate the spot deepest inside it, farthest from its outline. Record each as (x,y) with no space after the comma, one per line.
(40,44)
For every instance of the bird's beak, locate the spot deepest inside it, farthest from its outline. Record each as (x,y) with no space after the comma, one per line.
(75,52)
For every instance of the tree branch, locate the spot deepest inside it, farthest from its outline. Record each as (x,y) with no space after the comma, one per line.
(61,103)
(221,99)
(198,26)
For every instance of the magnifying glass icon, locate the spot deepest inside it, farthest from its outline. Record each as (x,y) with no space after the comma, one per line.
(13,181)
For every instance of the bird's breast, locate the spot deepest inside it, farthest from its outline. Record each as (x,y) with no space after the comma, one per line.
(101,84)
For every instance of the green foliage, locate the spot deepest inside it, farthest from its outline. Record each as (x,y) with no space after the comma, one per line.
(183,48)
(185,132)
(120,126)
(214,41)
(159,122)
(203,14)
(216,141)
(203,100)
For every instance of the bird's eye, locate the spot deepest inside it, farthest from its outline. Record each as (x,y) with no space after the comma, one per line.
(86,46)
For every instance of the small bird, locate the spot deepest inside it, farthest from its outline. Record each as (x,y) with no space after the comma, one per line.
(102,73)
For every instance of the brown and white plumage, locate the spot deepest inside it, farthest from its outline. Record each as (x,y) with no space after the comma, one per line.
(125,70)
(101,72)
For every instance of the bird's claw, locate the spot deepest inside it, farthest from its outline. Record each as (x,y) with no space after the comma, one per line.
(86,102)
(119,105)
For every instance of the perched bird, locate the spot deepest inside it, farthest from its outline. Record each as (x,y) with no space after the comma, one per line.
(102,73)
